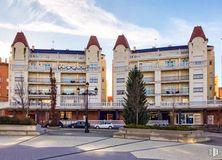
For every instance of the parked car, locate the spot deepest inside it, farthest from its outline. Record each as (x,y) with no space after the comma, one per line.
(78,124)
(104,125)
(47,124)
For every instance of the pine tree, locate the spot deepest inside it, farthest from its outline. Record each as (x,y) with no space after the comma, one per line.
(53,93)
(135,108)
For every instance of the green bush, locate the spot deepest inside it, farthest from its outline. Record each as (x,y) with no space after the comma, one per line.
(180,128)
(10,120)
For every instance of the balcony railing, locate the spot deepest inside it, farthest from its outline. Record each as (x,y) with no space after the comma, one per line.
(73,81)
(150,92)
(39,92)
(148,79)
(175,91)
(39,80)
(175,78)
(106,105)
(57,57)
(176,66)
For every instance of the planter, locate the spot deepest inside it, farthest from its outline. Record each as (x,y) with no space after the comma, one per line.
(24,130)
(163,135)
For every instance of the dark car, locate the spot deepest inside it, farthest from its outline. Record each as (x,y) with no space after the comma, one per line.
(78,124)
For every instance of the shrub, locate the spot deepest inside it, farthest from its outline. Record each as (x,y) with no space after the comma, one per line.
(180,128)
(10,120)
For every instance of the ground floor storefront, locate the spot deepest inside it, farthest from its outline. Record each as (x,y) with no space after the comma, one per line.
(42,116)
(188,116)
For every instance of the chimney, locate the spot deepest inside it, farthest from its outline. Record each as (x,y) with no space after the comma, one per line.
(134,48)
(5,60)
(33,47)
(0,59)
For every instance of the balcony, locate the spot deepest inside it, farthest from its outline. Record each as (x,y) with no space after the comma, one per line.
(175,91)
(148,79)
(91,106)
(19,67)
(71,69)
(158,55)
(44,57)
(150,92)
(183,65)
(73,81)
(39,80)
(121,68)
(36,93)
(170,79)
(34,68)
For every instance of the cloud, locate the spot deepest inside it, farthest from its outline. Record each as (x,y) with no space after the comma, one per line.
(5,49)
(78,18)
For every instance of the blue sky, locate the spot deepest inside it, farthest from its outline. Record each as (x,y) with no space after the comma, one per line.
(70,23)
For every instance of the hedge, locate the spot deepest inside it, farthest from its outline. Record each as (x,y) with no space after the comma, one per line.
(180,128)
(10,120)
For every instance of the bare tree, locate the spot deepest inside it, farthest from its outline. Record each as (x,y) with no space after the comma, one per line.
(22,96)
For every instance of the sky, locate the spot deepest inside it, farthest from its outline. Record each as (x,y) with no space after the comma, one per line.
(145,23)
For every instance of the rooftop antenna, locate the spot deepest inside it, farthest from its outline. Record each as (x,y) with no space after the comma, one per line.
(53,42)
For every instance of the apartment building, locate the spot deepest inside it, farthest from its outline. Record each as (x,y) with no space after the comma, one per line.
(29,67)
(179,80)
(3,81)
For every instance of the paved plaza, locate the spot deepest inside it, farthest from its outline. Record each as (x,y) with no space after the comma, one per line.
(75,144)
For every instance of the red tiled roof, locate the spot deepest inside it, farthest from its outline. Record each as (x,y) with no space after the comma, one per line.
(20,37)
(93,41)
(121,40)
(198,32)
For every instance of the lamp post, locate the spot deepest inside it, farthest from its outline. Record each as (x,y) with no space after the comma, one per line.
(86,108)
(86,105)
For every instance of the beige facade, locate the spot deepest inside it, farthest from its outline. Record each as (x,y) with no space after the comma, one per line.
(71,68)
(172,74)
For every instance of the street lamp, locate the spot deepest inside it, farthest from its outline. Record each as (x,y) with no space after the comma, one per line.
(87,105)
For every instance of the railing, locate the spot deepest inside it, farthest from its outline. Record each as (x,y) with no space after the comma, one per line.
(148,79)
(176,66)
(73,81)
(175,78)
(198,63)
(159,55)
(39,92)
(37,80)
(72,69)
(106,105)
(150,91)
(19,67)
(175,91)
(57,57)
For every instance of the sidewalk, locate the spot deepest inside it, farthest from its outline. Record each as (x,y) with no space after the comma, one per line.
(101,148)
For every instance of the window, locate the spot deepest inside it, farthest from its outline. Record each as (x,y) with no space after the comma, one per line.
(197,89)
(170,63)
(210,63)
(149,91)
(19,76)
(93,79)
(120,80)
(93,65)
(120,92)
(198,76)
(47,66)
